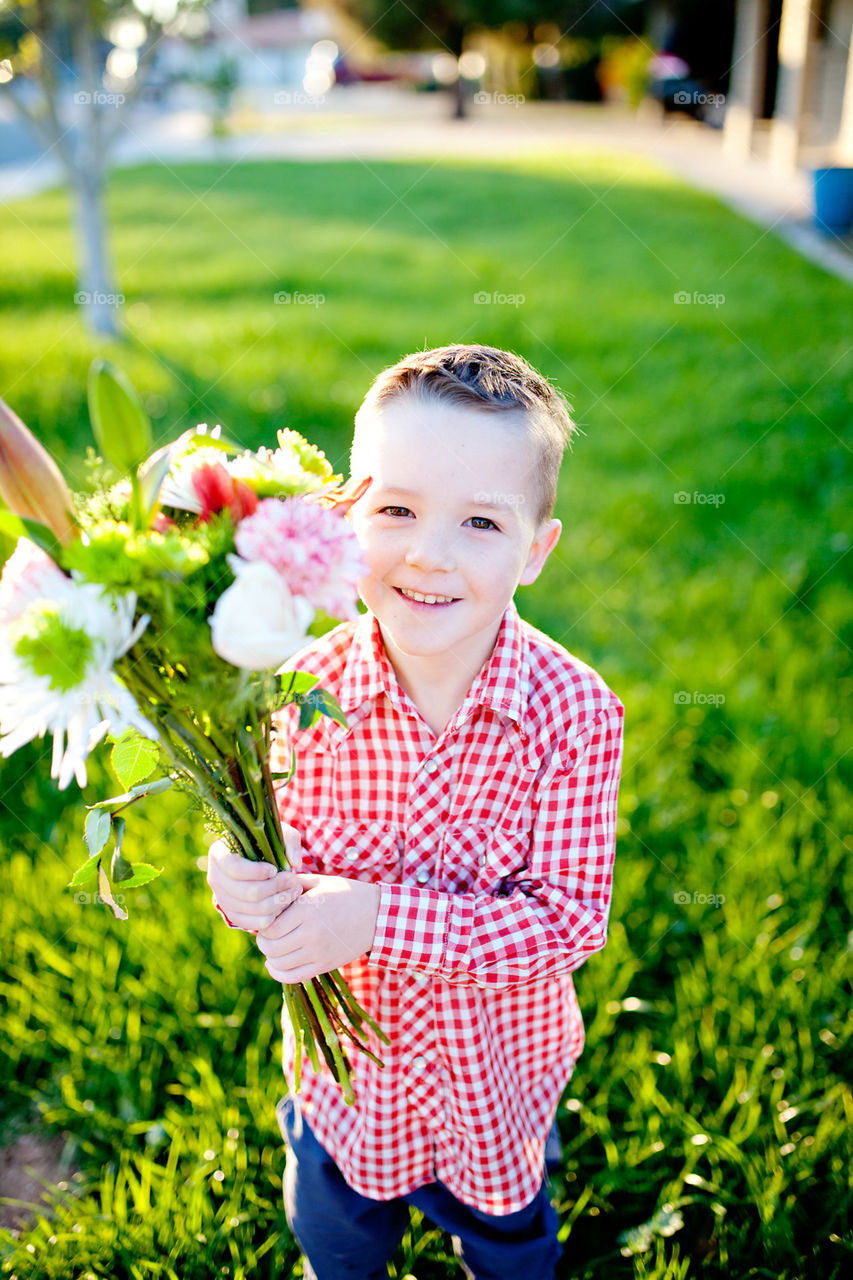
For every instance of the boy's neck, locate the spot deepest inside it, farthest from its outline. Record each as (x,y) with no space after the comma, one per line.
(437,684)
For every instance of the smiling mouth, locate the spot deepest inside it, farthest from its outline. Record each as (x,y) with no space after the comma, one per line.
(428,601)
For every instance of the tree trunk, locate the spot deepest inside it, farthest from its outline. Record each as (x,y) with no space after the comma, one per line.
(96,293)
(455,41)
(85,151)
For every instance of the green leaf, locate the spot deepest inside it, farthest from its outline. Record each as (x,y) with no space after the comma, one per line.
(142,873)
(106,894)
(134,758)
(87,872)
(96,832)
(43,537)
(294,683)
(204,440)
(333,708)
(141,789)
(119,421)
(152,788)
(286,774)
(319,702)
(12,525)
(114,802)
(120,869)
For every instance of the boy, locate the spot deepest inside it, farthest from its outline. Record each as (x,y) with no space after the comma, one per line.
(457,837)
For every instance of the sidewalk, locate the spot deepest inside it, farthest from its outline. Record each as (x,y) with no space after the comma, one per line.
(376,122)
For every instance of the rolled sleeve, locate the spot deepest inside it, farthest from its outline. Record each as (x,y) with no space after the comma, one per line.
(411,928)
(556,915)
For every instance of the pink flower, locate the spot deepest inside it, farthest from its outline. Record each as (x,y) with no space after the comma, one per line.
(29,575)
(312,547)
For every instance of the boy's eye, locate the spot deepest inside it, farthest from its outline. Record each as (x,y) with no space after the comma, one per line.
(485,522)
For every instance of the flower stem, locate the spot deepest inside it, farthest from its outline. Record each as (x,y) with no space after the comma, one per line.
(341,991)
(339,1069)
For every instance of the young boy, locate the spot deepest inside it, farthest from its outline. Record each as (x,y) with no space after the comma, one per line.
(457,837)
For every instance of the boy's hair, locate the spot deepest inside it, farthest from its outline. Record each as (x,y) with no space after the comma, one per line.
(492,381)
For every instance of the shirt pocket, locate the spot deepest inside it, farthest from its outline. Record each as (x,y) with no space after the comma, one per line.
(358,850)
(479,858)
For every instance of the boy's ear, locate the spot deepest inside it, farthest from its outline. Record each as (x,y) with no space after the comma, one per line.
(544,543)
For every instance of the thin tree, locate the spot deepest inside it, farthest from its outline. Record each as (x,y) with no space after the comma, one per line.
(57,46)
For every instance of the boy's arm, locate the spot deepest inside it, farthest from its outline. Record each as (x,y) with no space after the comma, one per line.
(555,919)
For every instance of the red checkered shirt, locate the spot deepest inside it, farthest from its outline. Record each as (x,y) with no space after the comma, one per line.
(493,845)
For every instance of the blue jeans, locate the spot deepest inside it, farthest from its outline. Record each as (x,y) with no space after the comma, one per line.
(347,1236)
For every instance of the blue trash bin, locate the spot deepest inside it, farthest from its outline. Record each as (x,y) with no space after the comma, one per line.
(833,200)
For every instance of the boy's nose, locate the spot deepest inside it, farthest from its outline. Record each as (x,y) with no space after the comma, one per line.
(431,554)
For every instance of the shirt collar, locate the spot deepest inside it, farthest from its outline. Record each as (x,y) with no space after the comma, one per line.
(501,684)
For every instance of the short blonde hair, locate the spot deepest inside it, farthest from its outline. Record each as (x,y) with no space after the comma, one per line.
(490,381)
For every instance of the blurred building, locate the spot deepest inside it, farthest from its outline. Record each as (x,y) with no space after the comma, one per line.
(791,88)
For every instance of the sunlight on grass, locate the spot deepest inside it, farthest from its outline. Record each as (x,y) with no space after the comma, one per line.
(704,570)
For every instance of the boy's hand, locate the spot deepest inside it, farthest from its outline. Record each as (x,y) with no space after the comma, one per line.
(252,894)
(333,922)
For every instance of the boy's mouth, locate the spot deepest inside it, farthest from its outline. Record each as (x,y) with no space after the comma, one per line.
(419,600)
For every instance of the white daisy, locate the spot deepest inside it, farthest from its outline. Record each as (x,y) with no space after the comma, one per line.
(59,639)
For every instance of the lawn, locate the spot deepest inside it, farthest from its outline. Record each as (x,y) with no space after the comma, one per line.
(704,570)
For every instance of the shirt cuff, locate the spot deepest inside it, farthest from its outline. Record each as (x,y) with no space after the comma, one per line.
(411,928)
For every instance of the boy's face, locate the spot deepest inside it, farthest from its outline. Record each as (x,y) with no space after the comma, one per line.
(426,525)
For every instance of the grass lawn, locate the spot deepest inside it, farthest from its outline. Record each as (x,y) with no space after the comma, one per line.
(704,570)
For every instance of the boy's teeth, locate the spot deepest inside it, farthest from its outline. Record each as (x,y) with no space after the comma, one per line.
(416,595)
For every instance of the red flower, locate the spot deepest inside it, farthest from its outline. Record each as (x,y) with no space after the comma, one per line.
(216,489)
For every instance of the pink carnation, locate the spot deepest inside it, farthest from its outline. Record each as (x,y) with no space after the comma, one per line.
(312,547)
(28,575)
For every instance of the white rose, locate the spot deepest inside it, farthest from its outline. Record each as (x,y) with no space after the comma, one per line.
(257,624)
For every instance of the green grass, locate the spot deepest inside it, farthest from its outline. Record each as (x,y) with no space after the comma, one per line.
(712,1079)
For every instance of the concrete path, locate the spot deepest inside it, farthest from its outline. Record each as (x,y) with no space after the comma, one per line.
(376,122)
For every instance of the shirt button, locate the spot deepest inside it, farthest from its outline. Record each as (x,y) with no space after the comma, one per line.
(351,855)
(423,877)
(419,1061)
(430,766)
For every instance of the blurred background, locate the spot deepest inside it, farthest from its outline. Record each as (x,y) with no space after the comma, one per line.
(252,209)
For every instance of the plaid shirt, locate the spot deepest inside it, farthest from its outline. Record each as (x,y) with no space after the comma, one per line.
(493,845)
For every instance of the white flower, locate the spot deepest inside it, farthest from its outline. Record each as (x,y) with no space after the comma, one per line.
(257,624)
(59,638)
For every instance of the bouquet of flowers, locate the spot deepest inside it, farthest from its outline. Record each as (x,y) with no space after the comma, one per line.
(158,610)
